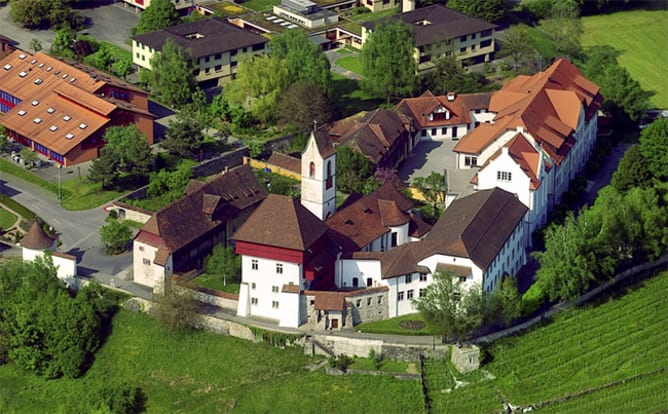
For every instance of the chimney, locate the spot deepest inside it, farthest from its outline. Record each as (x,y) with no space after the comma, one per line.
(451,96)
(407,6)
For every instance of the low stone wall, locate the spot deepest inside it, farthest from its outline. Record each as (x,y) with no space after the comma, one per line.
(361,347)
(216,300)
(215,165)
(127,211)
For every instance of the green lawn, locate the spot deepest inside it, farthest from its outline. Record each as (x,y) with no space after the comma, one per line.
(206,373)
(215,282)
(368,17)
(261,5)
(581,349)
(642,37)
(349,98)
(7,219)
(393,326)
(352,63)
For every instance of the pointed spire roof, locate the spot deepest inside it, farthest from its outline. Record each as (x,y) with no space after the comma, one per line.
(36,239)
(321,137)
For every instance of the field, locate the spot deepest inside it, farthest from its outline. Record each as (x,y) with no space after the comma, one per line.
(206,373)
(609,358)
(642,39)
(7,219)
(351,63)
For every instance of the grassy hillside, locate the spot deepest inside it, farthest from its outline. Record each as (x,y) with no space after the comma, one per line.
(206,373)
(582,350)
(642,37)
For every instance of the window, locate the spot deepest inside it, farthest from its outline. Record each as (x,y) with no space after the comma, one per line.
(433,132)
(408,278)
(279,268)
(503,176)
(274,304)
(50,110)
(420,293)
(485,43)
(254,264)
(253,285)
(486,33)
(454,132)
(258,46)
(274,289)
(217,56)
(471,161)
(409,294)
(356,282)
(141,248)
(394,239)
(423,277)
(329,181)
(400,296)
(233,52)
(254,301)
(359,303)
(311,170)
(462,50)
(462,38)
(35,102)
(146,261)
(218,68)
(462,279)
(444,131)
(380,300)
(424,133)
(368,301)
(369,281)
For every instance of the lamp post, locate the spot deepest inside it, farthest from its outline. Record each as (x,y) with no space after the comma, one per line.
(60,197)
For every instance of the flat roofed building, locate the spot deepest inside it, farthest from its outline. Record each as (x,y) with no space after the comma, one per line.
(305,13)
(178,4)
(215,45)
(61,110)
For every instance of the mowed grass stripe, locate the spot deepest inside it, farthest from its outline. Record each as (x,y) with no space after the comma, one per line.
(642,37)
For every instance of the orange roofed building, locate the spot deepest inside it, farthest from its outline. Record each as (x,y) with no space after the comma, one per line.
(543,131)
(61,110)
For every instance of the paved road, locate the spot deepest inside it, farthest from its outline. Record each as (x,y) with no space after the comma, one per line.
(79,230)
(109,22)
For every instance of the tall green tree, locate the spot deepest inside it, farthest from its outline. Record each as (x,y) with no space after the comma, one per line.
(353,170)
(63,43)
(125,157)
(623,96)
(184,136)
(388,63)
(433,188)
(171,76)
(452,311)
(223,262)
(302,104)
(632,171)
(654,149)
(157,16)
(116,236)
(517,45)
(488,10)
(176,308)
(304,60)
(564,27)
(258,85)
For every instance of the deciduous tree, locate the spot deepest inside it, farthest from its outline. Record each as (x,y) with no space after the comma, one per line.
(353,170)
(488,10)
(564,27)
(387,59)
(433,188)
(184,136)
(302,104)
(632,171)
(654,149)
(223,262)
(451,311)
(176,308)
(517,44)
(304,60)
(158,15)
(125,157)
(171,76)
(116,236)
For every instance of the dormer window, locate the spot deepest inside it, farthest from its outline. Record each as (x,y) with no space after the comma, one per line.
(41,65)
(49,69)
(73,79)
(22,56)
(66,118)
(23,74)
(53,128)
(21,112)
(64,76)
(7,66)
(32,62)
(69,135)
(38,81)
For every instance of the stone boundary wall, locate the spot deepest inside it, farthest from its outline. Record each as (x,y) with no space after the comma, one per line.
(395,374)
(214,297)
(138,214)
(361,347)
(620,277)
(216,165)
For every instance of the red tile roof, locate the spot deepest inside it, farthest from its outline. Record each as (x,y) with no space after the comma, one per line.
(546,104)
(203,210)
(477,226)
(281,221)
(420,108)
(286,162)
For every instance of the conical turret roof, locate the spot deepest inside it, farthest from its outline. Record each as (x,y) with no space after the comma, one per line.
(36,239)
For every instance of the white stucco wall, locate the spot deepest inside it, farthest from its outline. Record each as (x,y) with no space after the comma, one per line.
(347,269)
(145,271)
(443,132)
(519,184)
(290,311)
(402,293)
(265,285)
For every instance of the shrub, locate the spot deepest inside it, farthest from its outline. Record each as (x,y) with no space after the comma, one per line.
(120,398)
(532,299)
(341,362)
